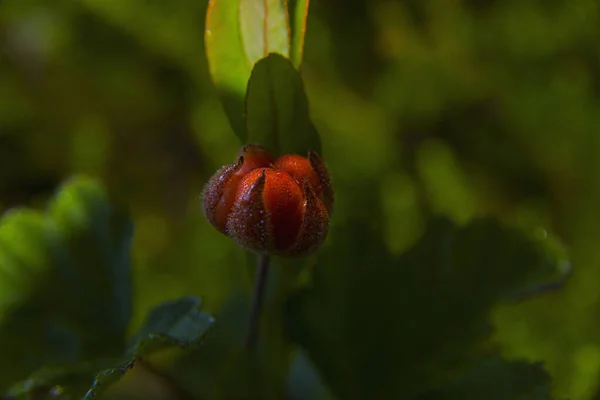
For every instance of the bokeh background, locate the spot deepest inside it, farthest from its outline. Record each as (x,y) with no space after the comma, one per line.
(464,107)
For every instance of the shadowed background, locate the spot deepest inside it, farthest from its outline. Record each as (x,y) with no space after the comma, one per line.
(462,107)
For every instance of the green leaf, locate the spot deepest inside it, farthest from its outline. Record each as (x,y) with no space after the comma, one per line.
(227,62)
(414,321)
(57,381)
(23,256)
(238,34)
(493,378)
(180,323)
(221,367)
(264,28)
(277,114)
(175,324)
(298,16)
(65,280)
(304,381)
(92,252)
(552,271)
(25,298)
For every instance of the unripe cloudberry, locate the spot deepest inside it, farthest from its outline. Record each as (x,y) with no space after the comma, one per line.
(311,168)
(220,191)
(279,207)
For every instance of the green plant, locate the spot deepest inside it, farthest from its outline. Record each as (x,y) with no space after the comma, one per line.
(367,324)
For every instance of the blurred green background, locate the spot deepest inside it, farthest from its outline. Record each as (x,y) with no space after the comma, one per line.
(461,107)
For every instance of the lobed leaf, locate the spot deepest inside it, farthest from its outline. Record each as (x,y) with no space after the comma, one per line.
(65,276)
(222,368)
(493,378)
(175,324)
(180,323)
(91,250)
(411,323)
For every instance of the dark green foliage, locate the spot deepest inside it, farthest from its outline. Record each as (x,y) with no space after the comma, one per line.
(243,377)
(417,325)
(305,382)
(90,243)
(422,108)
(277,108)
(413,322)
(176,324)
(68,270)
(492,378)
(68,298)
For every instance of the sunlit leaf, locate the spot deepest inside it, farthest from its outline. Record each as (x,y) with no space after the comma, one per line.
(227,62)
(264,28)
(277,114)
(238,34)
(298,10)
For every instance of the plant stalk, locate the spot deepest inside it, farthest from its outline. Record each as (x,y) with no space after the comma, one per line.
(257,301)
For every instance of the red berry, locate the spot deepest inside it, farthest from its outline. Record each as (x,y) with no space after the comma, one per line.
(219,193)
(274,215)
(299,167)
(313,169)
(271,208)
(254,157)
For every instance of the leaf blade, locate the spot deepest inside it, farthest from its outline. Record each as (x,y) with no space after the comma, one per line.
(227,63)
(427,313)
(298,19)
(93,255)
(180,323)
(277,112)
(493,378)
(175,324)
(264,28)
(238,34)
(65,269)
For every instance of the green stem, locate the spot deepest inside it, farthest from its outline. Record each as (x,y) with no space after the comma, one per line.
(257,302)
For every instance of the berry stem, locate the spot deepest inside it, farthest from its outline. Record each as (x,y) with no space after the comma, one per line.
(257,301)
